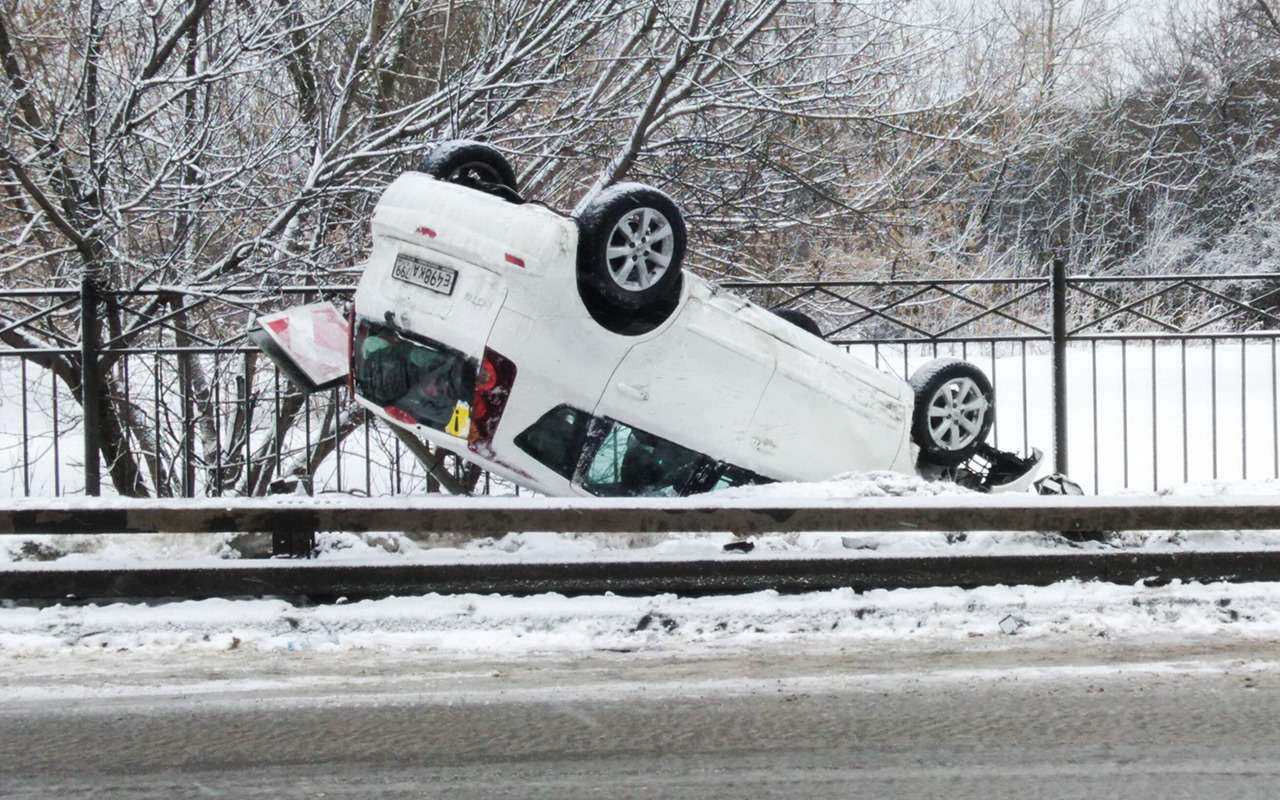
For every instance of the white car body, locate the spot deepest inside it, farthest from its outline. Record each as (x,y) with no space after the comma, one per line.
(721,376)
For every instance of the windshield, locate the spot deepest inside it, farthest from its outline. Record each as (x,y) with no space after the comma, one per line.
(426,379)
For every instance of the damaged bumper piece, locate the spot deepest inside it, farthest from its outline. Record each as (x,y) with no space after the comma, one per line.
(995,471)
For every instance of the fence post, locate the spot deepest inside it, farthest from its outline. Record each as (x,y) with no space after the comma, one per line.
(1059,290)
(188,426)
(90,391)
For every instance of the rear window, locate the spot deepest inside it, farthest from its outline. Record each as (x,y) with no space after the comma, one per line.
(611,459)
(556,439)
(425,379)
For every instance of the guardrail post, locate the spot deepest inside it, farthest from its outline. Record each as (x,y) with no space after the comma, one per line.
(90,382)
(1059,290)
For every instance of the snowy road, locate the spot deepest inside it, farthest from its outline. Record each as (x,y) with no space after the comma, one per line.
(916,720)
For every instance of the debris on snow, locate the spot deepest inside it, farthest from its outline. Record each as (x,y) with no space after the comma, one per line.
(1010,625)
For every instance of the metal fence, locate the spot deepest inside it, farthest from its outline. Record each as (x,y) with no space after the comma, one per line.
(1135,382)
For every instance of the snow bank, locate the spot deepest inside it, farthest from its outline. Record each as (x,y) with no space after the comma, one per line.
(471,625)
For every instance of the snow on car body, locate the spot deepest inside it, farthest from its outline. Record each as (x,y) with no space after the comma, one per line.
(721,393)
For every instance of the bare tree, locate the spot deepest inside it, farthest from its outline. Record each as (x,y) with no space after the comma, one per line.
(191,157)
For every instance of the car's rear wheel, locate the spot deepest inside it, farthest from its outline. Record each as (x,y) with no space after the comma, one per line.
(954,410)
(631,246)
(475,164)
(800,319)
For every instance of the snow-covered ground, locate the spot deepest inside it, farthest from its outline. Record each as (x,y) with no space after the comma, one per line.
(497,626)
(467,626)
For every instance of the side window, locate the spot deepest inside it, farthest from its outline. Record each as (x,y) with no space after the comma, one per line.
(621,461)
(628,462)
(556,439)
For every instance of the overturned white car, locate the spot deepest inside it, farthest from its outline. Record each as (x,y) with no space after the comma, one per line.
(573,355)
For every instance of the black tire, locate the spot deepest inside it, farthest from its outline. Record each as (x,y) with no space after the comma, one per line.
(644,231)
(474,164)
(948,390)
(800,319)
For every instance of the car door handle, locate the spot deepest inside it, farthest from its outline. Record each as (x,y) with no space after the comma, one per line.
(634,392)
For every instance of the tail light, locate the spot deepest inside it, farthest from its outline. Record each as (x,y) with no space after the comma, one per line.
(494,380)
(400,415)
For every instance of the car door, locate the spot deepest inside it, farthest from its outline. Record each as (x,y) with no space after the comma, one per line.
(821,416)
(696,383)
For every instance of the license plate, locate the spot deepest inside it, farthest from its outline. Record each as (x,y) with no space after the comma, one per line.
(425,274)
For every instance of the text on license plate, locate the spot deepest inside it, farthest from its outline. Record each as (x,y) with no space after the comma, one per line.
(425,274)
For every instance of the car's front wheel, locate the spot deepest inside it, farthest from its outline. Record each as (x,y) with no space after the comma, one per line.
(954,410)
(631,246)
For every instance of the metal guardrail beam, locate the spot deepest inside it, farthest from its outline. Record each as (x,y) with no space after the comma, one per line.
(732,574)
(490,516)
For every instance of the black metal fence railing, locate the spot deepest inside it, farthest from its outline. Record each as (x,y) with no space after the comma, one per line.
(1140,382)
(1133,382)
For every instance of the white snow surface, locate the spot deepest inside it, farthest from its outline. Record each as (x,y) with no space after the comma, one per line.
(476,625)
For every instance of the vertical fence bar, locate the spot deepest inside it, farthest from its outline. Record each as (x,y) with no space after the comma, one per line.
(368,458)
(1026,444)
(159,469)
(1124,408)
(1186,450)
(337,437)
(1093,390)
(188,426)
(306,447)
(1213,402)
(1059,289)
(217,426)
(58,455)
(248,425)
(89,383)
(995,428)
(395,458)
(1244,414)
(126,402)
(1155,429)
(26,435)
(275,420)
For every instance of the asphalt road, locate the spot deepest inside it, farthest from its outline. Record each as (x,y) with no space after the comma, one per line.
(762,724)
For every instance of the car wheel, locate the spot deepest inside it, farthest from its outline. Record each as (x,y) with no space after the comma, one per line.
(474,164)
(954,410)
(631,246)
(800,319)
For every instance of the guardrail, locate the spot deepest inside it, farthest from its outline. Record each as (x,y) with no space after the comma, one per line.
(729,574)
(489,516)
